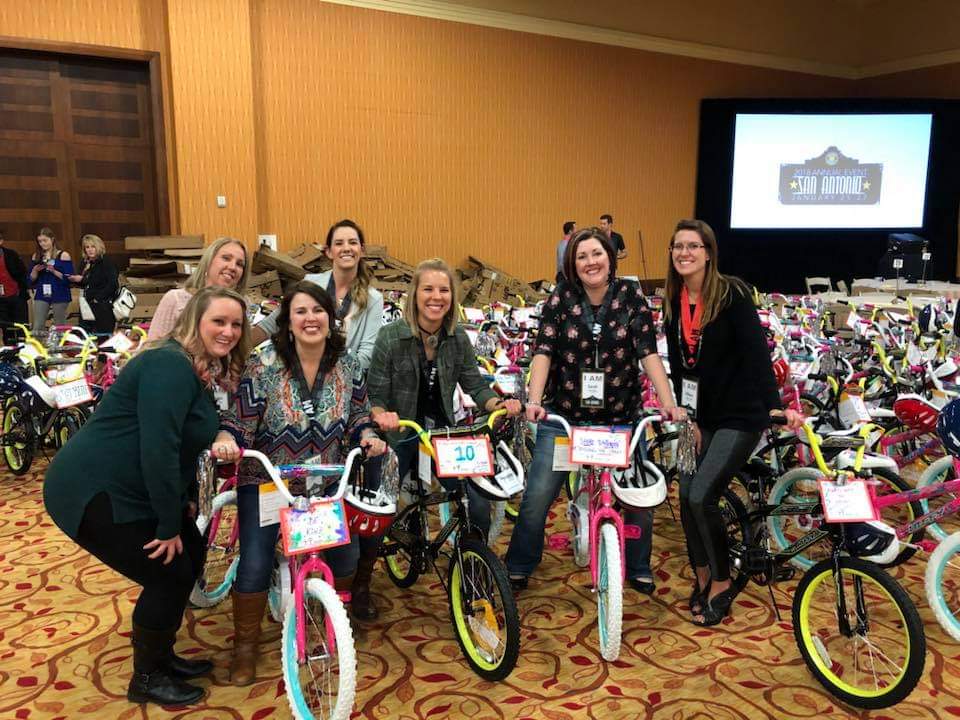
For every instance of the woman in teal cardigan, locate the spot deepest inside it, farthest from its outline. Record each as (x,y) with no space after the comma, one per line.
(122,488)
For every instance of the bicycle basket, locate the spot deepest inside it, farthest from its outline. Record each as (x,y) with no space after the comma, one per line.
(642,485)
(371,497)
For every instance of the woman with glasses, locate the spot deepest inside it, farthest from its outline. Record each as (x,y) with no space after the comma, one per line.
(722,374)
(593,330)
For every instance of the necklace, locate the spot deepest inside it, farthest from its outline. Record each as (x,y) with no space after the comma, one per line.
(432,340)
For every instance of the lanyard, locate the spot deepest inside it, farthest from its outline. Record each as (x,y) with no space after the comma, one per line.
(342,308)
(306,397)
(595,324)
(690,323)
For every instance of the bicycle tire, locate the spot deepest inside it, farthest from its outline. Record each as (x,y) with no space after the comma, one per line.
(740,534)
(943,588)
(300,686)
(487,582)
(816,653)
(221,561)
(939,471)
(405,563)
(18,454)
(67,427)
(609,591)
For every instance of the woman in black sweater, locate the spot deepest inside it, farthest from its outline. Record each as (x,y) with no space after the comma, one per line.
(721,372)
(99,282)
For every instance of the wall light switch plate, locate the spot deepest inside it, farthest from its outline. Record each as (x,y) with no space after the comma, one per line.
(269,240)
(221,201)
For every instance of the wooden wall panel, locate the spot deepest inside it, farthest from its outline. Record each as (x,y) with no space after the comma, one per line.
(449,139)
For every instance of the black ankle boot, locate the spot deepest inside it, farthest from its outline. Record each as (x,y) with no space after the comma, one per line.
(153,680)
(184,668)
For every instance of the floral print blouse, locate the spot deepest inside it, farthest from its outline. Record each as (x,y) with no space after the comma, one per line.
(266,414)
(626,336)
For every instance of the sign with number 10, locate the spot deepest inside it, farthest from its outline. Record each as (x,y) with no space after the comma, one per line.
(463,456)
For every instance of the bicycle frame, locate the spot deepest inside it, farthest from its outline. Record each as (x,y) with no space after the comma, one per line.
(924,493)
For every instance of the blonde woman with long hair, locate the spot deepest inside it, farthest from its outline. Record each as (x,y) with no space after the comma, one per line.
(223,264)
(121,488)
(722,374)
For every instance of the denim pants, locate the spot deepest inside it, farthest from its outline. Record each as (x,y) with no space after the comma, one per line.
(543,487)
(407,459)
(258,544)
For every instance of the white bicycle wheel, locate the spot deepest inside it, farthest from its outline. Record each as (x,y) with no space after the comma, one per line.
(609,591)
(223,554)
(325,684)
(798,485)
(943,584)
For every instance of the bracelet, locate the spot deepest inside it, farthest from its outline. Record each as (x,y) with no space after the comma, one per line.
(534,402)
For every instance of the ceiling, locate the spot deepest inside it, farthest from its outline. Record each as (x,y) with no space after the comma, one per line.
(841,37)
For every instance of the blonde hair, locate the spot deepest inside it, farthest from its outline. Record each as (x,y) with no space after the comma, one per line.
(96,241)
(199,278)
(410,311)
(716,288)
(187,333)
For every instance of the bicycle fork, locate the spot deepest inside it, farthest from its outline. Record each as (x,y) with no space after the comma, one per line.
(311,566)
(601,510)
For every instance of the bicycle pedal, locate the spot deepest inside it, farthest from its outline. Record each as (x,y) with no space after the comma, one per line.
(784,572)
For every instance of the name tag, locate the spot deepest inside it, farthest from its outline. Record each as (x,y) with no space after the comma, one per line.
(271,502)
(425,467)
(591,389)
(46,289)
(689,393)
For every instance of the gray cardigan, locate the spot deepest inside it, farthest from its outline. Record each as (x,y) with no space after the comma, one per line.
(362,328)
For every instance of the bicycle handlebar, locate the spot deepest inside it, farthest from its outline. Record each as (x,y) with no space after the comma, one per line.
(274,472)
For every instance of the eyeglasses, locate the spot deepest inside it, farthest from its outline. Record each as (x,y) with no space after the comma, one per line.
(692,247)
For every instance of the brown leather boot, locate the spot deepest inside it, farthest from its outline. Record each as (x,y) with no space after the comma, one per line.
(361,602)
(247,613)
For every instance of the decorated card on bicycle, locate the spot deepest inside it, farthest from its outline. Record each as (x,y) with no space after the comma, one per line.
(73,393)
(851,501)
(323,526)
(600,446)
(463,456)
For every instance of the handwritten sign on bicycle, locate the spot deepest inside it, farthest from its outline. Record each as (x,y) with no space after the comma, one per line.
(509,383)
(463,456)
(323,526)
(72,393)
(474,315)
(600,446)
(850,502)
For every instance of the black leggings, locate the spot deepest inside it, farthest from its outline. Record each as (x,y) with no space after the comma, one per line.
(166,588)
(722,453)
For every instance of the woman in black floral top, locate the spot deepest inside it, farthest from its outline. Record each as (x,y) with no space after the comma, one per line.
(590,379)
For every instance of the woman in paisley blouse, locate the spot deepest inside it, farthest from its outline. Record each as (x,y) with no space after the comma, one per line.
(299,397)
(594,322)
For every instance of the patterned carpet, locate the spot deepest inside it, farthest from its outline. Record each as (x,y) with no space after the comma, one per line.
(64,654)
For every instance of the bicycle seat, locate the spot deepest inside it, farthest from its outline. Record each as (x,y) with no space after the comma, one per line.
(844,439)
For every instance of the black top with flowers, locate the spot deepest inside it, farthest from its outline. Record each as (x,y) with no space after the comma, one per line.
(626,336)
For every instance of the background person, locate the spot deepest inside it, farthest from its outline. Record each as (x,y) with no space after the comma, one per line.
(13,286)
(98,278)
(300,397)
(122,487)
(50,268)
(599,324)
(223,264)
(723,375)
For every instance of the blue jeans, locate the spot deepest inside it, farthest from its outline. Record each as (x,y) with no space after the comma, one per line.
(407,458)
(543,487)
(258,545)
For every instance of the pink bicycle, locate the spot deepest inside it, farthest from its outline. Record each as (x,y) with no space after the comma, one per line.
(599,533)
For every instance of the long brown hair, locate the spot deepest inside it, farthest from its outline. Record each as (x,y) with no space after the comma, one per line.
(283,338)
(187,333)
(716,288)
(360,288)
(55,250)
(570,254)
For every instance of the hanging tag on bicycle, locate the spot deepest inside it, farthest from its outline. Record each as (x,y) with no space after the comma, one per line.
(852,409)
(850,502)
(425,467)
(474,315)
(463,457)
(271,503)
(221,397)
(600,446)
(118,343)
(591,389)
(509,383)
(322,526)
(72,393)
(509,481)
(561,455)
